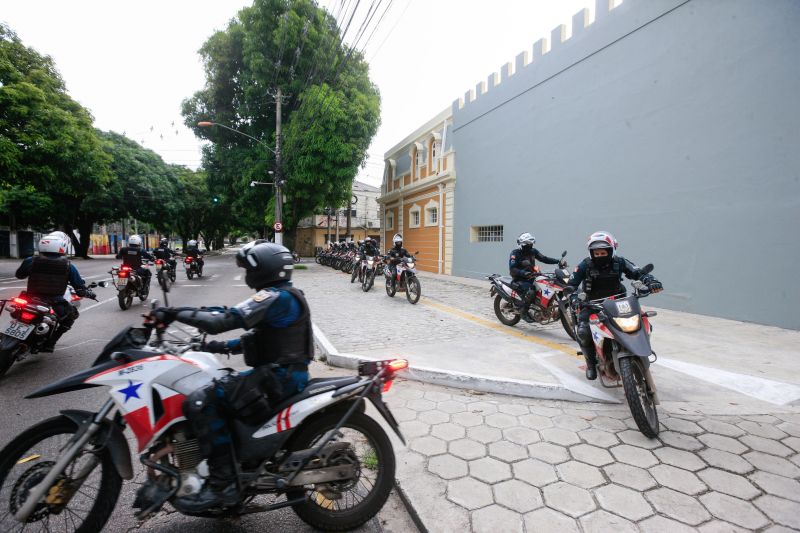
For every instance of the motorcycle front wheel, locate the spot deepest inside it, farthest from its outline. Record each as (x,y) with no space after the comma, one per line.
(640,401)
(353,275)
(568,322)
(391,287)
(70,505)
(505,311)
(346,504)
(369,281)
(413,289)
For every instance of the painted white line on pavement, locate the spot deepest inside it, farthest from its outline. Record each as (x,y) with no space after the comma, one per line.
(82,343)
(775,392)
(20,287)
(98,304)
(239,285)
(237,278)
(569,381)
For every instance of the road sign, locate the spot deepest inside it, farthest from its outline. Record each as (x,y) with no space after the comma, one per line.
(278,227)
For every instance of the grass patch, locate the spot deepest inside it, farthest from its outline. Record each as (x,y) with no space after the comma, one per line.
(300,267)
(371,460)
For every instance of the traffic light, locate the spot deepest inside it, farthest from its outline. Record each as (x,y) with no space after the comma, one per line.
(215,199)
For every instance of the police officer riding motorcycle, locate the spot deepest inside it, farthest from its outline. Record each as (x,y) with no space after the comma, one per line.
(522,267)
(396,254)
(601,274)
(132,256)
(278,344)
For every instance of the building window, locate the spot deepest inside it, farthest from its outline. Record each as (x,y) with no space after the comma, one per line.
(486,234)
(413,217)
(434,153)
(420,160)
(353,213)
(389,220)
(432,213)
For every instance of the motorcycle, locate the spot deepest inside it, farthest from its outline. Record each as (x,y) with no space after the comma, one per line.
(26,324)
(549,303)
(359,269)
(371,268)
(405,279)
(621,334)
(192,267)
(295,257)
(318,450)
(129,284)
(165,273)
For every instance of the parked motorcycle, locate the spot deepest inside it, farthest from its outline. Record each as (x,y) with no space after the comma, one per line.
(549,303)
(192,267)
(405,279)
(295,256)
(165,273)
(129,284)
(27,323)
(318,452)
(621,334)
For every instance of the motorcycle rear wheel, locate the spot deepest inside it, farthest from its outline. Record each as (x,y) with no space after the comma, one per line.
(163,280)
(639,398)
(505,311)
(189,274)
(125,299)
(369,281)
(8,355)
(413,289)
(32,447)
(377,458)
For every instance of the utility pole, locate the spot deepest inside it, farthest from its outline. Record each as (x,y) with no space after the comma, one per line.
(349,215)
(278,180)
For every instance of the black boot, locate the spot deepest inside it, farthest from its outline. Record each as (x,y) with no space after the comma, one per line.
(219,491)
(50,343)
(591,363)
(523,312)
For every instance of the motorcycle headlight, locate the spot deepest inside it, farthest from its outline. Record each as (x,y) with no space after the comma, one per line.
(628,324)
(411,265)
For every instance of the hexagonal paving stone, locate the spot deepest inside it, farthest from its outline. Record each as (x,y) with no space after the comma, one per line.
(574,423)
(768,431)
(518,496)
(547,452)
(489,470)
(608,423)
(580,474)
(451,406)
(433,417)
(500,420)
(549,412)
(428,445)
(680,458)
(467,449)
(469,493)
(760,444)
(569,499)
(728,483)
(721,428)
(591,455)
(513,409)
(719,442)
(733,510)
(682,426)
(678,479)
(634,456)
(484,434)
(777,485)
(421,405)
(467,419)
(726,461)
(534,421)
(565,437)
(784,512)
(772,464)
(603,521)
(630,476)
(436,396)
(448,431)
(534,472)
(624,502)
(507,451)
(448,467)
(484,408)
(550,520)
(521,435)
(790,428)
(659,524)
(414,428)
(679,506)
(792,442)
(403,414)
(598,437)
(681,441)
(495,518)
(407,393)
(635,438)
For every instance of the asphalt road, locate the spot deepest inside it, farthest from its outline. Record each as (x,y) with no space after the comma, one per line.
(99,321)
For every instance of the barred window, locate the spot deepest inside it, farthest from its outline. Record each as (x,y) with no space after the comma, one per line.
(486,234)
(432,216)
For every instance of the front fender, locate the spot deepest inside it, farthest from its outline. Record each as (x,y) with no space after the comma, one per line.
(115,441)
(635,344)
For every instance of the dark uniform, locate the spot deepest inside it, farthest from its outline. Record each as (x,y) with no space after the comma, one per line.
(132,257)
(523,274)
(165,253)
(197,255)
(396,254)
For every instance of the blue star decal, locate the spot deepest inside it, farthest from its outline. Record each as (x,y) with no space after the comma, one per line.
(546,292)
(594,334)
(131,391)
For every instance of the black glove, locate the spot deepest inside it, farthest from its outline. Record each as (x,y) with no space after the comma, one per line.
(82,292)
(90,294)
(655,286)
(165,315)
(562,263)
(526,263)
(216,347)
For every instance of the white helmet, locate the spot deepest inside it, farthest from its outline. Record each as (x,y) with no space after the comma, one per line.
(134,240)
(54,243)
(397,239)
(526,239)
(191,244)
(602,239)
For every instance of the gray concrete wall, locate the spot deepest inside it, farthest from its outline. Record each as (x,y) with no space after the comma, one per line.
(673,124)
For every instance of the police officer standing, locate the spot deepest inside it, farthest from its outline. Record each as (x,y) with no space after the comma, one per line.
(601,274)
(521,264)
(48,275)
(279,345)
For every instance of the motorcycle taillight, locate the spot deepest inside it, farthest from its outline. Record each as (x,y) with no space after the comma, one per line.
(27,316)
(123,273)
(187,260)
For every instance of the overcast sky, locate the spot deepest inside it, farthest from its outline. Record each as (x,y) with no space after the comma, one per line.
(132,63)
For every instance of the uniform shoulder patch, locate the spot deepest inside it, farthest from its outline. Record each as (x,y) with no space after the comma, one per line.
(260,296)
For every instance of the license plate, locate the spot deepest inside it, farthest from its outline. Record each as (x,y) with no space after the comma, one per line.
(18,330)
(122,282)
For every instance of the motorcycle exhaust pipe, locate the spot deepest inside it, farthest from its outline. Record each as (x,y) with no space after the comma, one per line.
(42,329)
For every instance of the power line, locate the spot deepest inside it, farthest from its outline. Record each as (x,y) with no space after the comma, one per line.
(375,53)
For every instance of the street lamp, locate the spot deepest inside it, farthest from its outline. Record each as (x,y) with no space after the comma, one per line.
(278,182)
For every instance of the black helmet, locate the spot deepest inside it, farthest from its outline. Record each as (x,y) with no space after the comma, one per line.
(163,242)
(266,263)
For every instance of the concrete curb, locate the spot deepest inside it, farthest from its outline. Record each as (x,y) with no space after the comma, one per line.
(460,380)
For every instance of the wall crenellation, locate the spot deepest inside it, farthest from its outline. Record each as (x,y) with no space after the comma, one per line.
(558,37)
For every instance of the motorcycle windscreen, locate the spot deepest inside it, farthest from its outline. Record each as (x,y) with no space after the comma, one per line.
(636,342)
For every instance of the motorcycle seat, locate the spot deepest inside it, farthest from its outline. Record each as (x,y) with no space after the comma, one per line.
(313,386)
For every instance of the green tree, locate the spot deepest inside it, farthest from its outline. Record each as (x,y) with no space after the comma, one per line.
(331,110)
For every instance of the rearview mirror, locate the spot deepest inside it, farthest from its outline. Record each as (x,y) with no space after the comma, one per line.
(648,268)
(564,253)
(416,253)
(102,284)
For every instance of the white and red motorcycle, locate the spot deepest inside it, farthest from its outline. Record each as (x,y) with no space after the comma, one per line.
(404,280)
(318,452)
